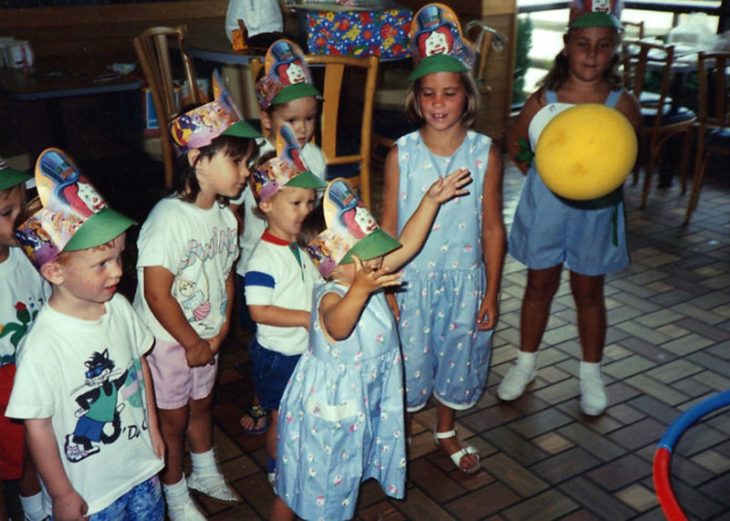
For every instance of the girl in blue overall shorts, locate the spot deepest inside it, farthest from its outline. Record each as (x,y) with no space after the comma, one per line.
(342,411)
(589,237)
(450,305)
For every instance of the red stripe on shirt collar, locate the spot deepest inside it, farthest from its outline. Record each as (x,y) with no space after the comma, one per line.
(273,239)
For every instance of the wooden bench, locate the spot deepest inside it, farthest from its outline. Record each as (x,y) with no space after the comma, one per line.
(103,33)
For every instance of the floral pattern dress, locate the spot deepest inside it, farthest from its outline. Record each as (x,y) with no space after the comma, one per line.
(341,417)
(444,352)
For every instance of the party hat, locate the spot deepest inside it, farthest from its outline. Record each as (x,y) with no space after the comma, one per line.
(286,169)
(595,13)
(200,126)
(437,43)
(69,213)
(286,75)
(10,177)
(351,229)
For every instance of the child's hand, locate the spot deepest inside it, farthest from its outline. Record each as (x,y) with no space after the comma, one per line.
(69,507)
(450,186)
(488,313)
(369,281)
(199,354)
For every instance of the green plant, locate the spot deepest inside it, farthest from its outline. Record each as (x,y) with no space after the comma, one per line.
(522,62)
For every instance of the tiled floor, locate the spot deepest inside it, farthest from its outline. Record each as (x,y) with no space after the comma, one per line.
(668,347)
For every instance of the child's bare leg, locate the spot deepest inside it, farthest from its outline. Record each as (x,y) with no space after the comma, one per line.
(173,424)
(280,512)
(445,423)
(200,426)
(30,491)
(539,292)
(591,310)
(271,434)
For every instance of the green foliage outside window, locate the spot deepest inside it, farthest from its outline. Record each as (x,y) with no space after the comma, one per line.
(522,62)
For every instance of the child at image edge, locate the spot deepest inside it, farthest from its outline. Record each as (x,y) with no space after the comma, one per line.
(83,386)
(342,412)
(449,308)
(589,237)
(22,293)
(286,95)
(279,276)
(187,247)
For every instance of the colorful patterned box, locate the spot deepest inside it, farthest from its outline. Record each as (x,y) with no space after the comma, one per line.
(360,33)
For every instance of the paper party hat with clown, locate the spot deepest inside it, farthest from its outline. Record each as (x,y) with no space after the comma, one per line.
(200,126)
(351,230)
(437,43)
(287,168)
(286,75)
(595,13)
(72,215)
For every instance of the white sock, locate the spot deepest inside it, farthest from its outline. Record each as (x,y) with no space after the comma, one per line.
(590,369)
(33,507)
(204,462)
(177,493)
(527,360)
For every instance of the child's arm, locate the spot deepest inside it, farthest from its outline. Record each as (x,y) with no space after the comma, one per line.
(493,239)
(629,107)
(158,443)
(68,505)
(518,142)
(341,314)
(417,228)
(158,294)
(278,316)
(389,217)
(216,341)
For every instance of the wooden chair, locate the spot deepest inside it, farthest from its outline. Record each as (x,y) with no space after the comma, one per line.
(348,86)
(713,136)
(634,29)
(662,120)
(153,48)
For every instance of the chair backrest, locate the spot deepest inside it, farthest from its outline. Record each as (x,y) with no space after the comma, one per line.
(153,48)
(484,39)
(638,59)
(633,29)
(348,86)
(714,96)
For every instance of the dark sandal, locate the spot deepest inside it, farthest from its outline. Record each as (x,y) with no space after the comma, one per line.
(256,413)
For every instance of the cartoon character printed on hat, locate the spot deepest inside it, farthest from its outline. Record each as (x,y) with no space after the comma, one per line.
(284,66)
(286,168)
(610,9)
(348,222)
(66,201)
(436,31)
(198,127)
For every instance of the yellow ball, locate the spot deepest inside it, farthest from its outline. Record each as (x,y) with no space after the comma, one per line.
(586,151)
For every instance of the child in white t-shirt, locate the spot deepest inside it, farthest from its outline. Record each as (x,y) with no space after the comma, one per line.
(83,386)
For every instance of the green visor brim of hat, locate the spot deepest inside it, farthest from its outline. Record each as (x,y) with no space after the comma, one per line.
(241,129)
(10,177)
(306,180)
(596,20)
(296,91)
(374,245)
(437,63)
(99,229)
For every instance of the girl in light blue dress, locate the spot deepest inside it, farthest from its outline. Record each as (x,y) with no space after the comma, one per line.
(449,308)
(549,231)
(341,416)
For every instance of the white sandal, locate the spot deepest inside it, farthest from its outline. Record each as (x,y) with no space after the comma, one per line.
(456,456)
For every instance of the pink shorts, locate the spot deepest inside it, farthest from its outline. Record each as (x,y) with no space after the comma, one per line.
(176,383)
(12,433)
